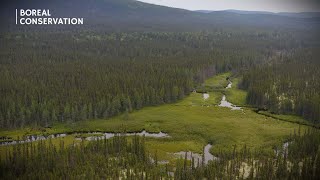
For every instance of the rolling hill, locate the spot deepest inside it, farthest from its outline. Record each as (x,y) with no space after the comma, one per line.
(133,15)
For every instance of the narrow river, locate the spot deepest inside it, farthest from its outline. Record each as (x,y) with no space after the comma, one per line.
(95,136)
(198,157)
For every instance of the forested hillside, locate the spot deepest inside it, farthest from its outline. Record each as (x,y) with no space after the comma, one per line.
(219,95)
(65,74)
(288,84)
(132,15)
(51,77)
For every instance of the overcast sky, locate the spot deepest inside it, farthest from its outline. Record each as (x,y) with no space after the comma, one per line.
(251,5)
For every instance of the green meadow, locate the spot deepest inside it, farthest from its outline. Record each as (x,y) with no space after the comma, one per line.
(191,123)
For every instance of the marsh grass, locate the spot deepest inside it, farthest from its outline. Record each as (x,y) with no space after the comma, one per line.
(191,123)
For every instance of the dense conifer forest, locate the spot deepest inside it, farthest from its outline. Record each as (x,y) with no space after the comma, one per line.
(288,83)
(51,77)
(180,79)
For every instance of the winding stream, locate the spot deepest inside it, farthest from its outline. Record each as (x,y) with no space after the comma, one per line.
(110,135)
(229,86)
(207,155)
(33,138)
(198,157)
(284,150)
(225,103)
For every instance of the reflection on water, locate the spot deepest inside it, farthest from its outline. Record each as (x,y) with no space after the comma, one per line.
(207,155)
(96,136)
(198,157)
(225,103)
(229,85)
(205,96)
(32,138)
(143,133)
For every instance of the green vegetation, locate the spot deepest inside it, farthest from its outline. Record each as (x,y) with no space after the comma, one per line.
(100,78)
(221,126)
(191,125)
(136,66)
(289,118)
(219,83)
(55,77)
(116,158)
(123,158)
(235,95)
(197,99)
(300,160)
(287,84)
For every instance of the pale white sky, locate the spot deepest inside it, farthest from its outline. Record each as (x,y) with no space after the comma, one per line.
(250,5)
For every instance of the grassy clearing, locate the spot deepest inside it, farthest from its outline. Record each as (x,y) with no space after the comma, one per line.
(196,99)
(20,133)
(288,118)
(165,148)
(234,95)
(199,125)
(191,124)
(218,81)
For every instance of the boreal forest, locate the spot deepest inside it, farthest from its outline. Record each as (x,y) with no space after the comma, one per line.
(142,91)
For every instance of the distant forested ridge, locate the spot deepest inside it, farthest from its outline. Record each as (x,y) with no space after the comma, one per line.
(132,15)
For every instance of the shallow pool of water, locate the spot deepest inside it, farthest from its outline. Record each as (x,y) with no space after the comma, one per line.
(229,85)
(225,103)
(205,96)
(143,133)
(198,157)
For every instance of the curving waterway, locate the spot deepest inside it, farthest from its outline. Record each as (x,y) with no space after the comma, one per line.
(225,103)
(198,158)
(95,136)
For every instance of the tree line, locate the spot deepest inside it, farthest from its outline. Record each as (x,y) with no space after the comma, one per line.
(49,76)
(287,84)
(123,157)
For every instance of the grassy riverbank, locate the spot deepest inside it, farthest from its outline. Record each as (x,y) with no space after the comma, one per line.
(191,123)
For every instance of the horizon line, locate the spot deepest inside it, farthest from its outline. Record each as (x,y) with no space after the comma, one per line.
(275,12)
